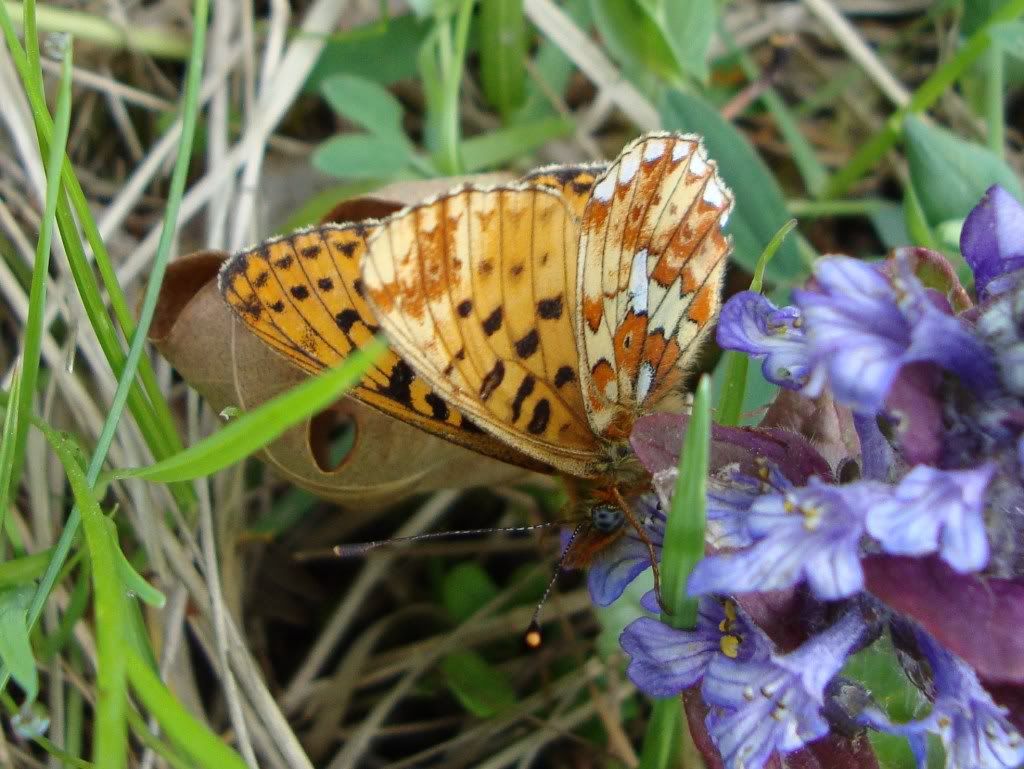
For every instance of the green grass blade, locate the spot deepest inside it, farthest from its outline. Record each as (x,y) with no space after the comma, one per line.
(110,727)
(16,419)
(683,548)
(175,193)
(684,530)
(258,427)
(205,748)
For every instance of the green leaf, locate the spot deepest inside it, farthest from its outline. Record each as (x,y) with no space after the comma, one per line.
(482,689)
(977,13)
(635,39)
(383,52)
(465,589)
(195,740)
(365,103)
(15,644)
(503,54)
(363,156)
(950,174)
(1009,36)
(257,428)
(497,148)
(687,26)
(760,207)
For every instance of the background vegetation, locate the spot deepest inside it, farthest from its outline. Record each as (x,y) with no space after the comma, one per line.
(169,621)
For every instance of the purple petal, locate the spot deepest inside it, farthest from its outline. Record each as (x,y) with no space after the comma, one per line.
(935,510)
(992,239)
(615,567)
(750,323)
(665,661)
(978,619)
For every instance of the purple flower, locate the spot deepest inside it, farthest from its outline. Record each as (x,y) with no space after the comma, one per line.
(810,533)
(730,495)
(665,661)
(975,732)
(863,329)
(624,560)
(992,240)
(936,510)
(750,323)
(768,704)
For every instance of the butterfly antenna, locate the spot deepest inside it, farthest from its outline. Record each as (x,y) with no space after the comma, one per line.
(638,527)
(360,548)
(533,637)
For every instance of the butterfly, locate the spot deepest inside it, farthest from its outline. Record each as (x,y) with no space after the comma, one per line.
(533,322)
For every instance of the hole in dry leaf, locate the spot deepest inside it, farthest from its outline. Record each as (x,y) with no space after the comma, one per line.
(332,434)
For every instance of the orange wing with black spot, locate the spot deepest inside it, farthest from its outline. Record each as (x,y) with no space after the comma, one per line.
(476,290)
(651,260)
(302,295)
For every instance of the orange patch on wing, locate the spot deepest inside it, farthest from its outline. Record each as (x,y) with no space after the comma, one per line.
(593,311)
(703,304)
(629,342)
(602,375)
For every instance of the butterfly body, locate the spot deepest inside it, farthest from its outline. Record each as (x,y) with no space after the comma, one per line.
(533,322)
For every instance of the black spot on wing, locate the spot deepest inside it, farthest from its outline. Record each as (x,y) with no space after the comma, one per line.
(492,380)
(439,409)
(399,383)
(277,306)
(325,284)
(527,346)
(465,308)
(525,388)
(541,415)
(550,309)
(310,252)
(299,292)
(493,321)
(284,263)
(346,319)
(261,279)
(564,375)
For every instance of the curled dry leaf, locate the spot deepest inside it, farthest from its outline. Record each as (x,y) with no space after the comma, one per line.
(389,460)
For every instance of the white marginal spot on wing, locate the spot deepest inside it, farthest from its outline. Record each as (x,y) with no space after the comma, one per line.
(697,165)
(628,169)
(680,150)
(724,220)
(638,282)
(713,194)
(644,380)
(654,150)
(604,190)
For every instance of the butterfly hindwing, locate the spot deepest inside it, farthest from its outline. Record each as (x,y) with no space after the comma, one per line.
(303,296)
(574,181)
(651,259)
(474,290)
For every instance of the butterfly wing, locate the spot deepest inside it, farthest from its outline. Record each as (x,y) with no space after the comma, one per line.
(475,289)
(302,295)
(574,182)
(651,259)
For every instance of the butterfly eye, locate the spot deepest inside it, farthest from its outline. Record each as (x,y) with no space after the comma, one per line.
(607,519)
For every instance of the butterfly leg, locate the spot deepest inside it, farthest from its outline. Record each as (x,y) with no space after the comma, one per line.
(638,527)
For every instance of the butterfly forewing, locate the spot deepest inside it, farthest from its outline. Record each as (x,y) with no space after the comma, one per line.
(302,294)
(474,290)
(651,260)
